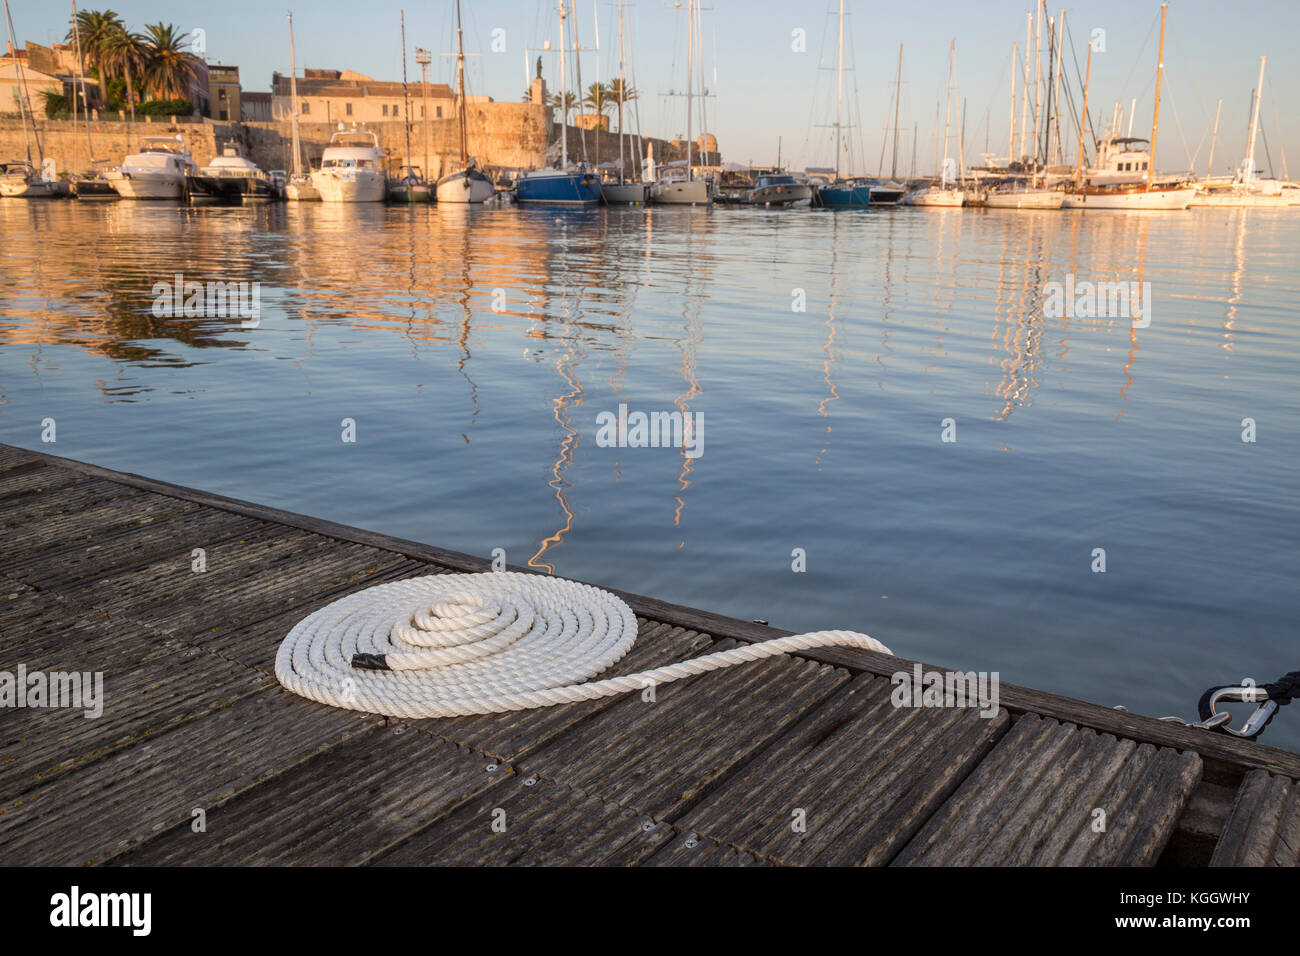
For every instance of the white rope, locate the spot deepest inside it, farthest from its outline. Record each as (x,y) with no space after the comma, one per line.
(454,644)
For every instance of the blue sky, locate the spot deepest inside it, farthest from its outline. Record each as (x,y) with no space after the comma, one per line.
(766,92)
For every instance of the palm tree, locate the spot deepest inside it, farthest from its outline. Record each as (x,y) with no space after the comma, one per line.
(125,53)
(598,98)
(94,27)
(621,93)
(170,67)
(568,104)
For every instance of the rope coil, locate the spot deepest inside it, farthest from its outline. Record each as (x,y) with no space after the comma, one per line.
(449,645)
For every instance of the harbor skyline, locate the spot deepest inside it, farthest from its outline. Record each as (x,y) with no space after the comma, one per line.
(1207,57)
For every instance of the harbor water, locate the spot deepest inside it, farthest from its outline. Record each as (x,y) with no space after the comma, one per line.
(899,430)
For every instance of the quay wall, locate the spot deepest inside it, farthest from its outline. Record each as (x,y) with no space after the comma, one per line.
(502,136)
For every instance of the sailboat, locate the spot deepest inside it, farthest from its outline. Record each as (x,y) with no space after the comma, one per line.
(410,184)
(841,193)
(299,188)
(91,184)
(622,192)
(468,184)
(1246,189)
(21,179)
(946,193)
(1147,194)
(684,189)
(563,186)
(1030,194)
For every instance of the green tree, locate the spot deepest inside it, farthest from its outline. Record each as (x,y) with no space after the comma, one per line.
(598,98)
(94,28)
(568,103)
(169,67)
(126,54)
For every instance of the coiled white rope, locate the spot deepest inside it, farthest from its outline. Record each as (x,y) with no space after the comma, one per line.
(448,645)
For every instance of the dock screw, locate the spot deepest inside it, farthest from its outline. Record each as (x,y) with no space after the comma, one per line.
(531,781)
(692,843)
(648,826)
(491,768)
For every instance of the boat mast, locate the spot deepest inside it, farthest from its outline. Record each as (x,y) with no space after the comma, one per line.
(406,103)
(898,89)
(1024,112)
(1047,114)
(462,115)
(22,84)
(947,109)
(1254,125)
(1155,116)
(564,95)
(1056,92)
(1011,140)
(839,92)
(1038,78)
(1214,139)
(1083,119)
(81,80)
(622,92)
(690,86)
(424,58)
(293,101)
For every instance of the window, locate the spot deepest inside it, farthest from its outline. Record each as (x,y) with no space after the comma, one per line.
(1144,165)
(397,110)
(385,109)
(306,107)
(221,94)
(439,112)
(421,112)
(349,109)
(221,114)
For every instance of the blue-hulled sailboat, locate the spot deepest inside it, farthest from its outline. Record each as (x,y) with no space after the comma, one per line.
(563,186)
(841,193)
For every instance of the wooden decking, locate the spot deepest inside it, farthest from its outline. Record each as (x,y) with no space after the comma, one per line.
(800,760)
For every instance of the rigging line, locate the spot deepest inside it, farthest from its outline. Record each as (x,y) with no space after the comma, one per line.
(1138,59)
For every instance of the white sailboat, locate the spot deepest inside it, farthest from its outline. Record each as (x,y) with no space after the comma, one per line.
(1021,193)
(22,179)
(623,192)
(299,187)
(1246,188)
(467,184)
(687,190)
(410,185)
(1147,194)
(946,192)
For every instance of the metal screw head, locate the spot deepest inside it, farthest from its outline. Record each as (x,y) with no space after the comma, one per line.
(648,826)
(531,781)
(692,843)
(491,768)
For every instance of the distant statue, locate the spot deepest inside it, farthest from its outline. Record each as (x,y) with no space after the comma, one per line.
(539,67)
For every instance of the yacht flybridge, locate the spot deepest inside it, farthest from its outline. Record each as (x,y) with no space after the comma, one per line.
(351,168)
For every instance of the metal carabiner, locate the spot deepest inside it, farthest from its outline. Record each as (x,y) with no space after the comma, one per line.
(1239,693)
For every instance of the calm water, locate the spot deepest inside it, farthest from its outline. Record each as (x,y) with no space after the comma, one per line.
(475,348)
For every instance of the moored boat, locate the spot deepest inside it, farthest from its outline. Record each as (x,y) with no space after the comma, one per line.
(410,186)
(1019,196)
(351,168)
(777,189)
(157,171)
(232,178)
(20,180)
(558,187)
(843,194)
(468,184)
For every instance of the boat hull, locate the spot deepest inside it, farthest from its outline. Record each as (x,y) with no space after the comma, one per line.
(1025,199)
(301,192)
(1130,199)
(149,185)
(350,186)
(466,186)
(558,189)
(92,188)
(624,194)
(783,195)
(936,197)
(887,195)
(843,196)
(20,189)
(408,192)
(681,193)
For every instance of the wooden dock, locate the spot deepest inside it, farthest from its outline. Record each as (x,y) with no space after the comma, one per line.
(721,769)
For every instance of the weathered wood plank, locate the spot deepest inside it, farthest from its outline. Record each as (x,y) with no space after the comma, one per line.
(12,457)
(1032,802)
(512,736)
(92,813)
(851,783)
(530,822)
(1263,828)
(142,696)
(344,806)
(662,757)
(692,849)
